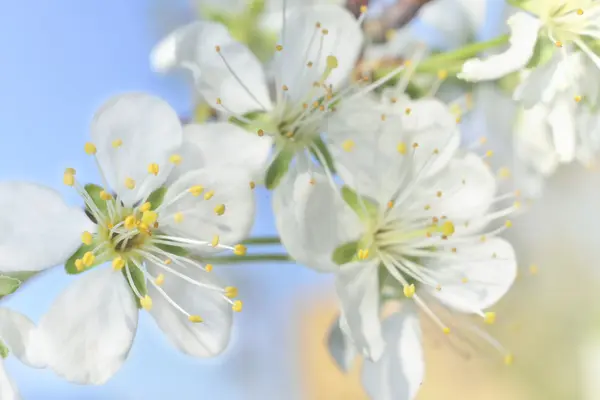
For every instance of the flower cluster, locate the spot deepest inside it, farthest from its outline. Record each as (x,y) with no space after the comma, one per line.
(373,181)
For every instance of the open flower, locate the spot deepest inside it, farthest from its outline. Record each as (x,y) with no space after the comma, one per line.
(416,210)
(151,237)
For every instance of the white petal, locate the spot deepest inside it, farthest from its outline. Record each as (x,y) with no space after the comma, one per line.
(533,140)
(523,37)
(399,373)
(37,229)
(205,339)
(312,220)
(150,132)
(490,269)
(90,327)
(194,47)
(357,287)
(303,42)
(340,345)
(23,340)
(562,122)
(222,145)
(200,221)
(8,388)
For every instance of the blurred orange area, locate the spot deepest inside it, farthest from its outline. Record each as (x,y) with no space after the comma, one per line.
(450,375)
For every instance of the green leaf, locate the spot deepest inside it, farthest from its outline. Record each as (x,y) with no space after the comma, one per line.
(322,147)
(175,250)
(157,197)
(139,281)
(278,168)
(345,253)
(366,208)
(3,350)
(8,285)
(94,192)
(542,53)
(70,264)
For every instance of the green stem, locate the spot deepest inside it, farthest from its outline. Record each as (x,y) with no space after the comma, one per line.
(248,258)
(263,240)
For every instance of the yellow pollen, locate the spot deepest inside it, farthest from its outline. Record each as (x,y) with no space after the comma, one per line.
(490,318)
(325,31)
(390,34)
(407,111)
(580,12)
(363,9)
(237,306)
(219,101)
(447,228)
(363,254)
(130,222)
(117,143)
(88,259)
(464,280)
(79,265)
(153,169)
(149,217)
(167,261)
(104,195)
(446,330)
(407,63)
(195,319)
(401,148)
(577,99)
(208,267)
(442,74)
(517,204)
(508,359)
(332,62)
(178,217)
(175,159)
(427,207)
(260,132)
(146,303)
(312,181)
(383,117)
(231,292)
(146,206)
(220,209)
(90,148)
(439,194)
(482,238)
(348,145)
(415,145)
(390,204)
(215,241)
(87,238)
(558,43)
(129,183)
(239,250)
(252,185)
(196,190)
(504,173)
(208,195)
(160,279)
(69,178)
(409,290)
(489,153)
(508,223)
(279,47)
(110,225)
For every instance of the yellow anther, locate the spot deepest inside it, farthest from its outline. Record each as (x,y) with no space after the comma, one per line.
(401,148)
(196,190)
(483,238)
(558,43)
(438,287)
(407,111)
(427,207)
(69,178)
(88,259)
(118,263)
(231,292)
(279,47)
(153,169)
(90,148)
(390,204)
(218,49)
(87,238)
(208,267)
(70,171)
(489,153)
(195,319)
(129,183)
(442,74)
(252,185)
(517,204)
(577,99)
(580,12)
(348,145)
(175,159)
(260,132)
(509,359)
(363,254)
(220,209)
(312,181)
(208,195)
(149,217)
(167,261)
(130,222)
(332,62)
(407,63)
(117,143)
(415,145)
(110,225)
(218,101)
(160,279)
(383,117)
(143,227)
(104,195)
(489,318)
(239,250)
(79,265)
(447,228)
(439,193)
(363,9)
(237,306)
(508,223)
(533,269)
(446,330)
(178,217)
(309,64)
(284,88)
(504,173)
(215,241)
(465,280)
(146,303)
(390,34)
(409,290)
(145,207)
(325,32)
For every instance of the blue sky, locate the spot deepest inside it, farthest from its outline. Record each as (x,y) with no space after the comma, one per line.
(60,61)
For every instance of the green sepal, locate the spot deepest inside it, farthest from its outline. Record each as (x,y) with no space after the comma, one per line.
(139,280)
(3,350)
(8,285)
(70,264)
(366,208)
(322,147)
(157,197)
(175,250)
(345,253)
(509,83)
(278,168)
(542,53)
(94,192)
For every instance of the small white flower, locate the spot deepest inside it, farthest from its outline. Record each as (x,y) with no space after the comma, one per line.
(152,237)
(415,210)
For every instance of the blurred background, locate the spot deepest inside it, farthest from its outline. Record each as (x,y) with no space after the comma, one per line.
(62,59)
